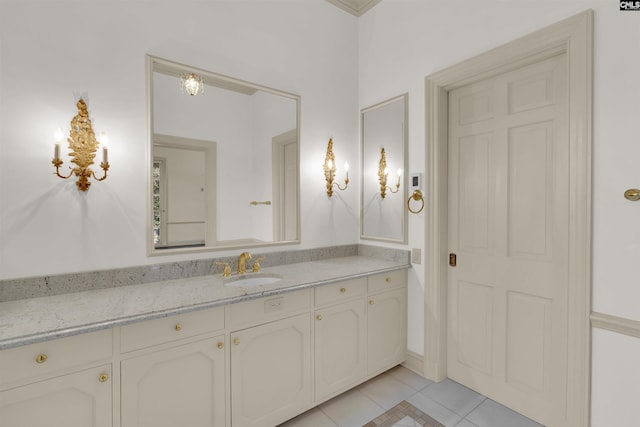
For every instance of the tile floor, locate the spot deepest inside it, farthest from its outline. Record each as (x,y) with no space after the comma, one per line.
(448,402)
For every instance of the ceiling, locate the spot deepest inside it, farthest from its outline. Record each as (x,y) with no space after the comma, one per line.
(355,7)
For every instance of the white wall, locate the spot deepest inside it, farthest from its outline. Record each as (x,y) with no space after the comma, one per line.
(53,52)
(402,41)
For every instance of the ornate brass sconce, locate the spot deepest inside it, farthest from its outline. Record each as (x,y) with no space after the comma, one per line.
(330,170)
(383,174)
(83,145)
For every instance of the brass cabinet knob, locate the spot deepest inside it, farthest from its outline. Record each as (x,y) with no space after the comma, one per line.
(221,344)
(104,377)
(178,327)
(388,280)
(343,290)
(371,302)
(319,317)
(236,341)
(41,358)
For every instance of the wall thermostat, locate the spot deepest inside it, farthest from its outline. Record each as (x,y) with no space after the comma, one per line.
(416,182)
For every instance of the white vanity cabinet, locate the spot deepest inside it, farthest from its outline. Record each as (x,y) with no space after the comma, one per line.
(271,371)
(386,321)
(58,383)
(340,327)
(171,375)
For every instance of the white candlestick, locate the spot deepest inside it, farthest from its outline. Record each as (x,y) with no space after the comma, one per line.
(105,155)
(56,151)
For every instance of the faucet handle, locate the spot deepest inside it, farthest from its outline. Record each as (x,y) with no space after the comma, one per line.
(226,272)
(256,264)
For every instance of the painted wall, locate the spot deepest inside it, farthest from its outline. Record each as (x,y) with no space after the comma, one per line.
(403,41)
(53,52)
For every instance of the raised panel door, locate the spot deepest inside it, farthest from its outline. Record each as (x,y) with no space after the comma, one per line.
(180,386)
(79,399)
(386,330)
(340,347)
(271,372)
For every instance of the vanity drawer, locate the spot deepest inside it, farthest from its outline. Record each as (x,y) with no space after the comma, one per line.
(340,291)
(386,281)
(167,329)
(269,308)
(42,359)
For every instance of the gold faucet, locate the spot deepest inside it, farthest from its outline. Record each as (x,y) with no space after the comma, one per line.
(226,272)
(242,262)
(256,264)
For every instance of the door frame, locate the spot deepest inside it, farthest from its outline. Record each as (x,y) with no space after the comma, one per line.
(573,37)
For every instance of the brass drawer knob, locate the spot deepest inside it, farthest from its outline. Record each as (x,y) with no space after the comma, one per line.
(319,317)
(236,341)
(343,290)
(104,377)
(41,358)
(388,280)
(178,327)
(371,302)
(221,344)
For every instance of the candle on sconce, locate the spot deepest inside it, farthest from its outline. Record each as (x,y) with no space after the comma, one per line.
(57,136)
(104,140)
(346,169)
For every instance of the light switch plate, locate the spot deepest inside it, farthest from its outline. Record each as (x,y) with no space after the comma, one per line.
(416,256)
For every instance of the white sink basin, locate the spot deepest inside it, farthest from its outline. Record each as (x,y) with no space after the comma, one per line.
(252,280)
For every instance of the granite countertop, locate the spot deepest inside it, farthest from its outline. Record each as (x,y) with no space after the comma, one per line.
(33,320)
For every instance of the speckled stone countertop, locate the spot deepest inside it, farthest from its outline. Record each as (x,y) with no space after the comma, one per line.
(28,321)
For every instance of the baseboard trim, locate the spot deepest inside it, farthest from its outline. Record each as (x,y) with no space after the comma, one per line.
(617,324)
(414,362)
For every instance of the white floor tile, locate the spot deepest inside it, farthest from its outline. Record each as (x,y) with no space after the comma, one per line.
(351,409)
(312,418)
(435,410)
(406,422)
(386,391)
(454,396)
(492,414)
(410,378)
(466,423)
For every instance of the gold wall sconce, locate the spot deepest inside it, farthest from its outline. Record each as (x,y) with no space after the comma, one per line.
(83,145)
(383,174)
(192,83)
(330,170)
(633,194)
(416,196)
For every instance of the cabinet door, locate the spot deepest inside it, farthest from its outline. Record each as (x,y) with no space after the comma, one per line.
(180,386)
(271,372)
(340,347)
(387,330)
(80,399)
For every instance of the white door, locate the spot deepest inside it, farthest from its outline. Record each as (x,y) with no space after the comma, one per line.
(508,226)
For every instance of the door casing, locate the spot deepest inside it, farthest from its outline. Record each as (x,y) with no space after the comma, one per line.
(574,37)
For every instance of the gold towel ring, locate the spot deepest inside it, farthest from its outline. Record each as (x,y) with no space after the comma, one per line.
(417,195)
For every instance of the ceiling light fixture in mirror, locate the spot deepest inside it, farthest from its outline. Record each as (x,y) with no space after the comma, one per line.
(213,157)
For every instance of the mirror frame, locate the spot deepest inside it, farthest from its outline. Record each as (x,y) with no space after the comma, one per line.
(404,98)
(165,66)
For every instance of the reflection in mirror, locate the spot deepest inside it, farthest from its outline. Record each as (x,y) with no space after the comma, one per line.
(224,164)
(384,171)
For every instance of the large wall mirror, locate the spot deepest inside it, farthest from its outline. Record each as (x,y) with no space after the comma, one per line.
(224,163)
(384,169)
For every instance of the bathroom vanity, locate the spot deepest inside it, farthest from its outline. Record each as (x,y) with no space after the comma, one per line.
(195,352)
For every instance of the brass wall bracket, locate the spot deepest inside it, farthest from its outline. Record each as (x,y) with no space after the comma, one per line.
(416,196)
(383,174)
